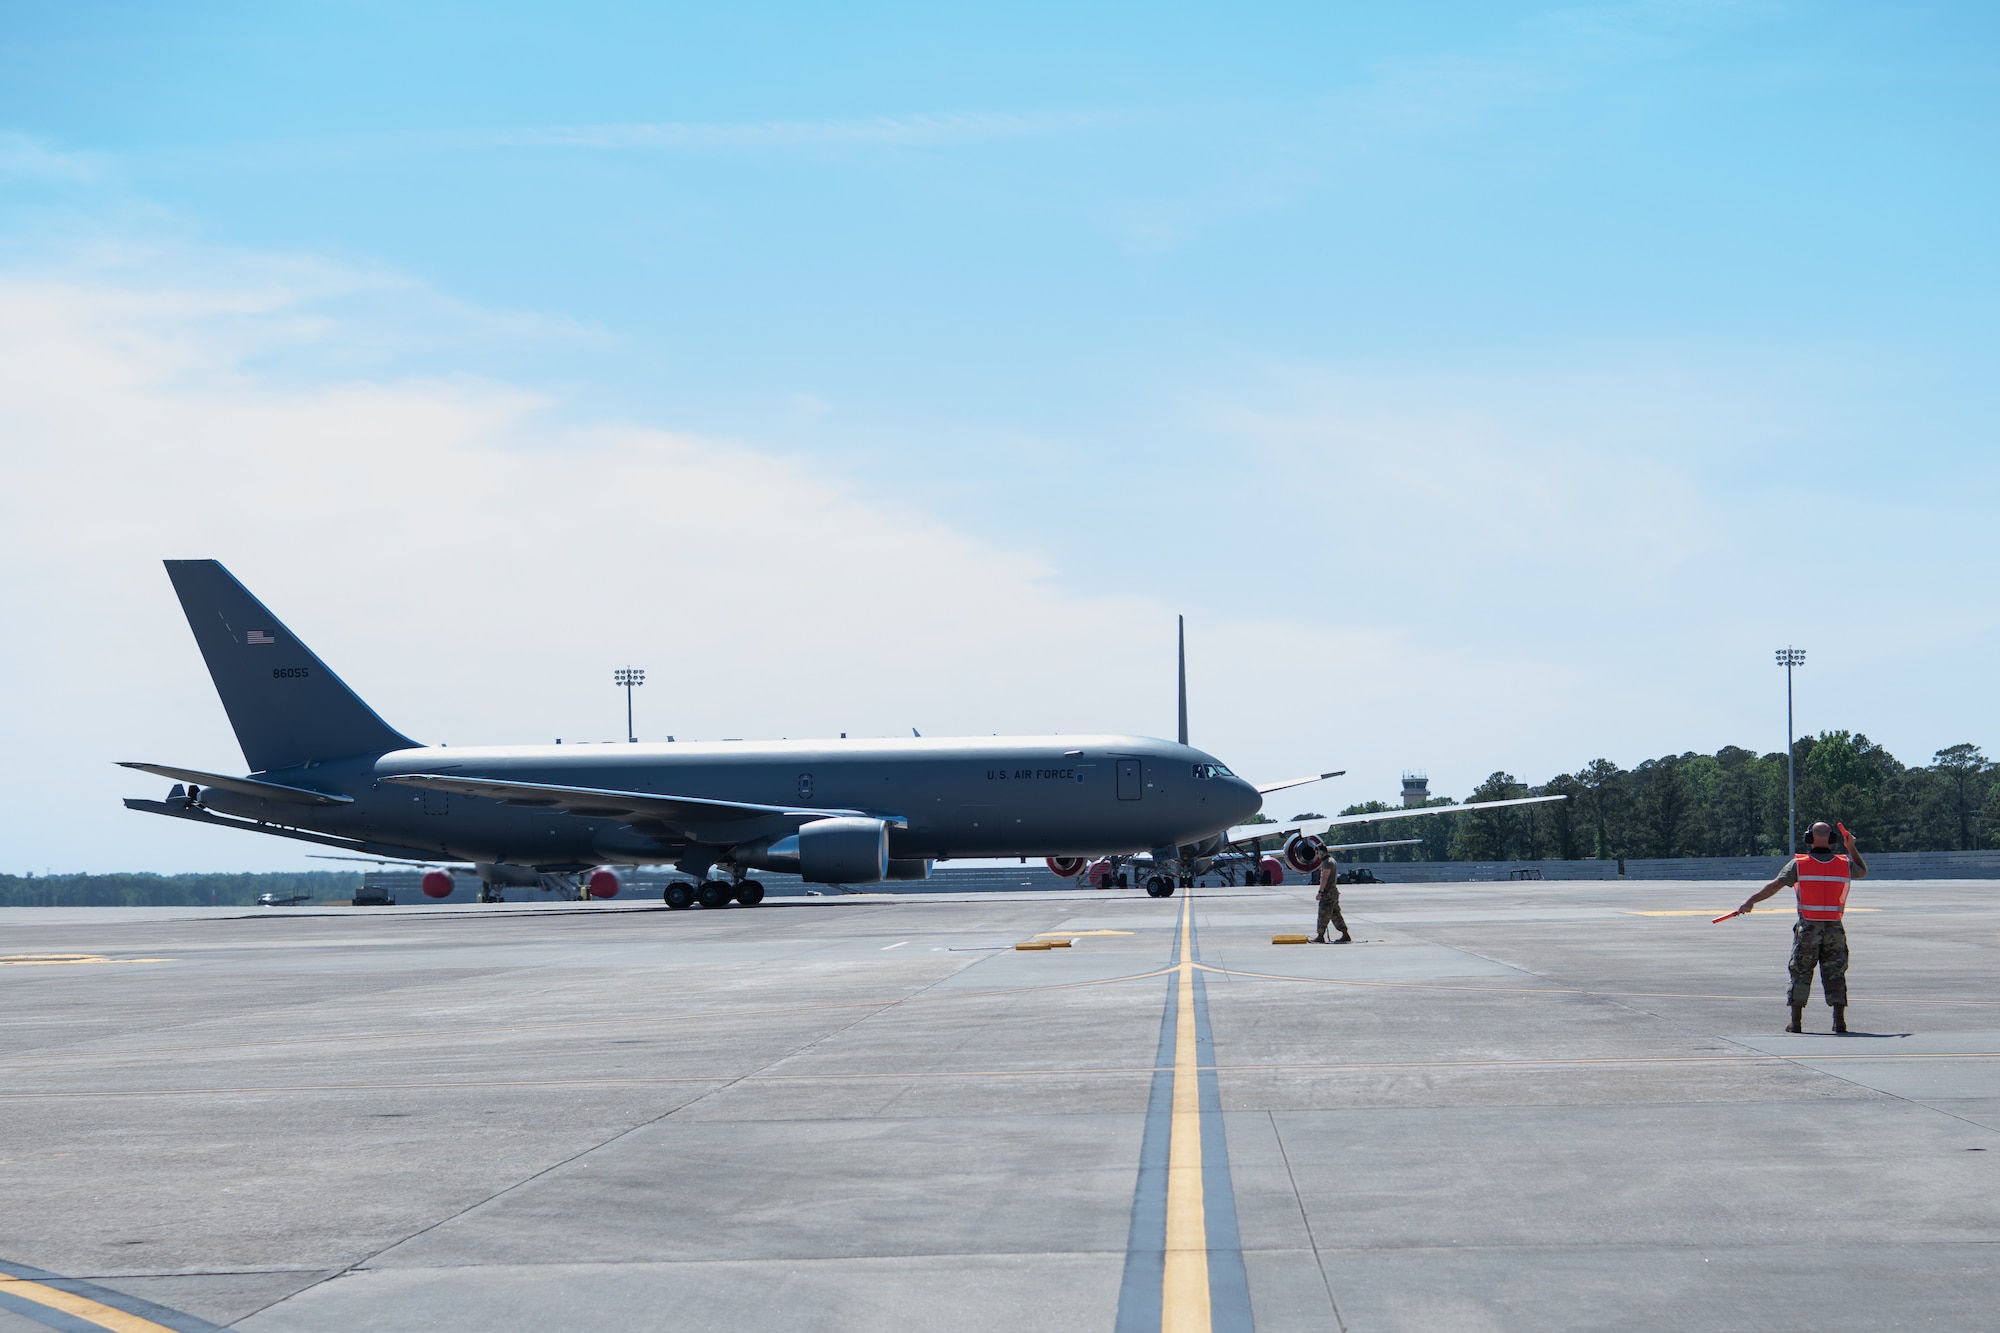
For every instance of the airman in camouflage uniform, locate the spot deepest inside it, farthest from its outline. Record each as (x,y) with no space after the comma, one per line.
(1329,905)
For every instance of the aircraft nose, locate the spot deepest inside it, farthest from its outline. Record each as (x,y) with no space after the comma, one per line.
(1247,801)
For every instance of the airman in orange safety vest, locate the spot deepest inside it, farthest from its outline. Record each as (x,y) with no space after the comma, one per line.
(1821,876)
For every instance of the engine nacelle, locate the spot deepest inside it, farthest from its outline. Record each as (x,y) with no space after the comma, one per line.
(437,884)
(1304,853)
(847,850)
(604,882)
(909,870)
(1099,874)
(1271,872)
(1067,867)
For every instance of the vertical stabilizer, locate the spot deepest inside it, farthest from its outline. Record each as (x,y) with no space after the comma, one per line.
(286,707)
(1182,620)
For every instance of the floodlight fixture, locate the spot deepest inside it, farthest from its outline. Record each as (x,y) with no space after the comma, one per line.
(1789,658)
(629,678)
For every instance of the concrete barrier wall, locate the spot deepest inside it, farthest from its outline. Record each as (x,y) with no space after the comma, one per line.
(647,883)
(1882,865)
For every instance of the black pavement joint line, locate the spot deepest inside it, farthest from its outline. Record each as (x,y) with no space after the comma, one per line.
(43,1315)
(1228,1283)
(1140,1293)
(166,1317)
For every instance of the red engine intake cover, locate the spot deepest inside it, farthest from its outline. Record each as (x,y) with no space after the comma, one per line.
(1068,867)
(437,884)
(1305,854)
(1100,874)
(1271,871)
(605,883)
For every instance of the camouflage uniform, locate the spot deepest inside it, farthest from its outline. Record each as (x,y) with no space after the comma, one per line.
(1329,904)
(1823,943)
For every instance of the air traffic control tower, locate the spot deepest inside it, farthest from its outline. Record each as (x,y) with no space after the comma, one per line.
(1416,790)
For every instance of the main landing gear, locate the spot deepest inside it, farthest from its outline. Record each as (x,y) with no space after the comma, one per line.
(1159,886)
(713,893)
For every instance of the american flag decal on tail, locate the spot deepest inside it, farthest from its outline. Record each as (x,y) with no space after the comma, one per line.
(258,636)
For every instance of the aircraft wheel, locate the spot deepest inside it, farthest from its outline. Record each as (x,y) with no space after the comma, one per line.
(1157,887)
(714,895)
(749,893)
(679,895)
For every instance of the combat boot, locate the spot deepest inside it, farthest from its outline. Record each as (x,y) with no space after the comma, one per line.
(1345,938)
(1840,1019)
(1798,1023)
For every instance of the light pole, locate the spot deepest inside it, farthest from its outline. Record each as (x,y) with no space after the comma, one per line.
(629,677)
(1789,658)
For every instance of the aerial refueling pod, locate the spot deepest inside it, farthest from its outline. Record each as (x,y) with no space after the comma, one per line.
(1067,867)
(1304,853)
(604,882)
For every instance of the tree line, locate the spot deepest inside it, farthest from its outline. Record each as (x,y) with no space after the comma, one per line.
(142,890)
(1730,803)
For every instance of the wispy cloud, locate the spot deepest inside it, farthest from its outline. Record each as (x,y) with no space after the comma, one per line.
(24,157)
(888,131)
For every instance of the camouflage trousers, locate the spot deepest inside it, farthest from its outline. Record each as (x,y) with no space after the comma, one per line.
(1329,911)
(1822,944)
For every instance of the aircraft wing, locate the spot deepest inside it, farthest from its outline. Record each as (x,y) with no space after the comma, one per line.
(1313,827)
(270,791)
(602,803)
(1265,789)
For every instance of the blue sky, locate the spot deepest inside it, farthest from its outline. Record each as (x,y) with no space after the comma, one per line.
(1494,386)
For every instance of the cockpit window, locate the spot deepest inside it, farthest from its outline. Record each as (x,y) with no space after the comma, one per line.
(1212,771)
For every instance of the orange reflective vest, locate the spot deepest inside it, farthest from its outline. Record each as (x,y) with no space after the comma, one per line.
(1822,886)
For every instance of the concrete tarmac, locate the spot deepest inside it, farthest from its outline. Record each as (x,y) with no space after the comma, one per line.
(1506,1106)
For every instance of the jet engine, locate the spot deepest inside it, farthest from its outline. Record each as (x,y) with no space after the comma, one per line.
(1271,872)
(1304,853)
(847,850)
(437,884)
(1100,874)
(1067,867)
(604,882)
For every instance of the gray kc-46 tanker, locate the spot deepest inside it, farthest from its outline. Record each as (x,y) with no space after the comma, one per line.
(326,769)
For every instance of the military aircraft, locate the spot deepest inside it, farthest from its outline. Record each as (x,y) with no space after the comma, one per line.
(326,769)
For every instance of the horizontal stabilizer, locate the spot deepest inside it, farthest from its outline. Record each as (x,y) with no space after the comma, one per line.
(601,803)
(1267,788)
(1246,832)
(195,814)
(270,791)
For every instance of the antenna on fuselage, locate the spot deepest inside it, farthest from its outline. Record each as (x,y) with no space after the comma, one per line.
(1182,633)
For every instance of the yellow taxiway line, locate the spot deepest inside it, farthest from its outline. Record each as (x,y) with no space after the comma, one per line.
(79,1307)
(1184,1300)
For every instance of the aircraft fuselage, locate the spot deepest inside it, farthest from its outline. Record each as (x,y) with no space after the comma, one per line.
(944,798)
